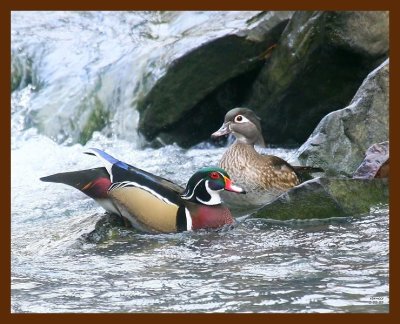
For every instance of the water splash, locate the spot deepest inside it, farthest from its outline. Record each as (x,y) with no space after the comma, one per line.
(90,69)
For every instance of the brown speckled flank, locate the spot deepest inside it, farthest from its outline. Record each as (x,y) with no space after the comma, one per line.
(264,177)
(245,164)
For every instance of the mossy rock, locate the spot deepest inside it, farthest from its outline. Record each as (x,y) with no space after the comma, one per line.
(321,60)
(194,86)
(108,227)
(327,197)
(97,120)
(347,133)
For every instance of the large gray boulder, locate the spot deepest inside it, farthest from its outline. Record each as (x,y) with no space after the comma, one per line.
(317,66)
(340,141)
(189,101)
(91,69)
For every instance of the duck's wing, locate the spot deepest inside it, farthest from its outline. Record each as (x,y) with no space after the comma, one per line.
(280,174)
(303,173)
(123,173)
(151,203)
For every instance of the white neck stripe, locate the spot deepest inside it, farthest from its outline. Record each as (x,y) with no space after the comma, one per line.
(188,220)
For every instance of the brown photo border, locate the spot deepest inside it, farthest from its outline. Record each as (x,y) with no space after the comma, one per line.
(6,6)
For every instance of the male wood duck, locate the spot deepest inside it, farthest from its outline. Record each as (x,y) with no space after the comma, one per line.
(264,177)
(150,203)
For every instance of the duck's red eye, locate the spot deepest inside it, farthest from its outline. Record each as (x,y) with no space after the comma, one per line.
(214,175)
(239,118)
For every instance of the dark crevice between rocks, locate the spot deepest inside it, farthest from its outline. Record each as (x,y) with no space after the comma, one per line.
(191,78)
(328,85)
(197,124)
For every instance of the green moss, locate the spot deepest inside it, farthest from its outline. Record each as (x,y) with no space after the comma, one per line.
(23,73)
(96,121)
(326,198)
(356,196)
(15,79)
(107,228)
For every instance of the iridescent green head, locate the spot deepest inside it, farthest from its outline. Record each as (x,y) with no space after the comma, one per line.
(204,186)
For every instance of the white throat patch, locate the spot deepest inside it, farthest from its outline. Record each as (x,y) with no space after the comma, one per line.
(215,197)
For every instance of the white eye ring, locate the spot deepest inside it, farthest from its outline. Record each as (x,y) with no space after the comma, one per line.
(241,119)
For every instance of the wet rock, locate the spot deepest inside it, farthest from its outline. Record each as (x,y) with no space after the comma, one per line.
(376,162)
(339,142)
(104,63)
(21,74)
(108,227)
(317,66)
(326,198)
(207,115)
(23,71)
(383,171)
(80,64)
(183,106)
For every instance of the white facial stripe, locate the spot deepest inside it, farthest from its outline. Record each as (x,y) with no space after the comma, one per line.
(188,220)
(194,189)
(215,197)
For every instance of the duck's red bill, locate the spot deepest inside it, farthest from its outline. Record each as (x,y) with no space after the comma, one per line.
(233,188)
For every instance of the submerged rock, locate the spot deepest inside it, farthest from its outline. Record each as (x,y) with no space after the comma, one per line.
(339,142)
(184,106)
(326,198)
(109,227)
(376,162)
(321,59)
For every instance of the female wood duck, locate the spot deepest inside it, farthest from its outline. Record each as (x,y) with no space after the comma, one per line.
(153,204)
(264,177)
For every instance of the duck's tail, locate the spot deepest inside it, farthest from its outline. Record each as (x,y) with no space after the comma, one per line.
(92,182)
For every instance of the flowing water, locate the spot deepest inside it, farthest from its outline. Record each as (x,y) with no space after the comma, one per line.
(335,265)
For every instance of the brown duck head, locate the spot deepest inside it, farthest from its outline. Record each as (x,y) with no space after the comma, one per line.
(244,124)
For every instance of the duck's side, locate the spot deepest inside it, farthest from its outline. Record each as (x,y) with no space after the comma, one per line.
(264,177)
